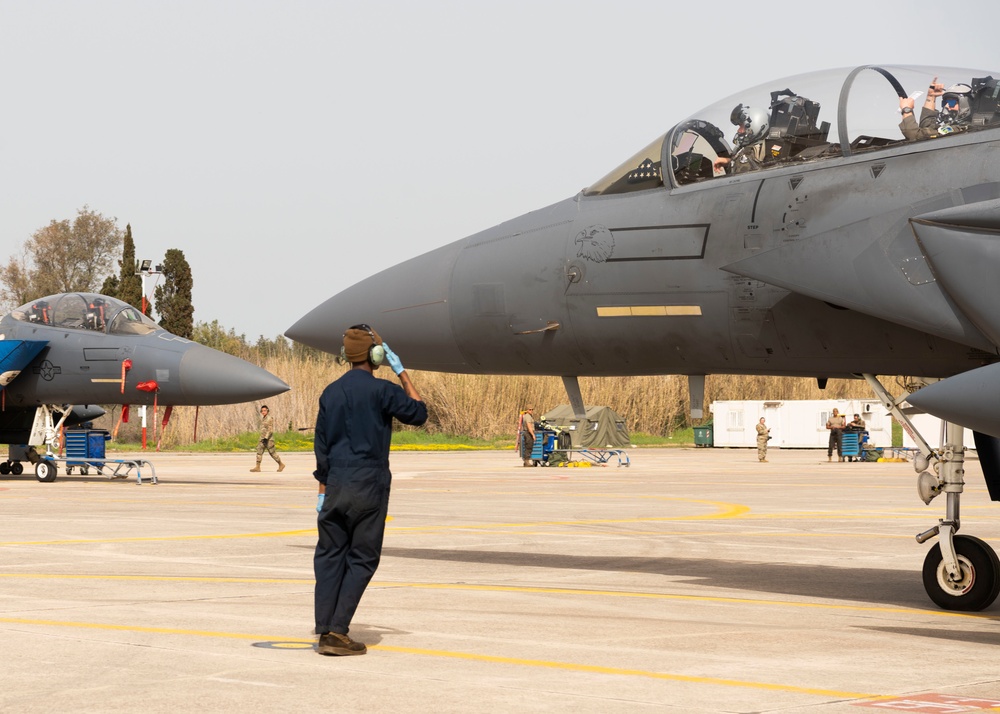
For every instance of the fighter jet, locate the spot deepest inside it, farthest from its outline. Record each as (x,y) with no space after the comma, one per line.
(820,241)
(62,353)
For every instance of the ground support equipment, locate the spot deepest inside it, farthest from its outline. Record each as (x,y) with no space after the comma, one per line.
(46,468)
(598,456)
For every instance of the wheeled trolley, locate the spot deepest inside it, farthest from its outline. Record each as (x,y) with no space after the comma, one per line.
(84,449)
(852,444)
(46,468)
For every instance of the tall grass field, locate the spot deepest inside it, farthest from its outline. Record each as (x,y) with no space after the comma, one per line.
(467,407)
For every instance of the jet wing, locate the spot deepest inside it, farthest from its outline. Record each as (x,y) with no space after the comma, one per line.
(15,355)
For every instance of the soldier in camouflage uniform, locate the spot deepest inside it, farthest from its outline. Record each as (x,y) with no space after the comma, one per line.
(266,440)
(763,434)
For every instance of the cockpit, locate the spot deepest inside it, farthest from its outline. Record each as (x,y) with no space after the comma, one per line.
(86,311)
(806,118)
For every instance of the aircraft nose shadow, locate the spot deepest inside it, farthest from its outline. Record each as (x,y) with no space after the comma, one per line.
(881,587)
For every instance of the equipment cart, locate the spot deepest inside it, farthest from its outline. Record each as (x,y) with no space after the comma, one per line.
(600,456)
(85,451)
(852,444)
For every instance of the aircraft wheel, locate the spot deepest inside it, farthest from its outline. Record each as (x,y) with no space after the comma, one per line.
(17,468)
(980,578)
(4,467)
(45,470)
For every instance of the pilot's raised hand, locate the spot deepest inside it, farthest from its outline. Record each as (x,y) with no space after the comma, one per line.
(936,89)
(393,360)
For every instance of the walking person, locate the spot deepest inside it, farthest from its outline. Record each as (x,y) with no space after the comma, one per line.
(353,433)
(763,435)
(266,442)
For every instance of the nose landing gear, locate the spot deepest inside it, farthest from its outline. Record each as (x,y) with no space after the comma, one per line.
(961,572)
(974,587)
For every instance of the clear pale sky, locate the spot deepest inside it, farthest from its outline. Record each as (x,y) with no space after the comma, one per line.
(293,148)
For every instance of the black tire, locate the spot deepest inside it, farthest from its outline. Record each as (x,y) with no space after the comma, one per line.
(46,470)
(980,582)
(17,468)
(4,468)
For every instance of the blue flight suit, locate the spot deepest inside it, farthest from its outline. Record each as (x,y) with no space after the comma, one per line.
(353,432)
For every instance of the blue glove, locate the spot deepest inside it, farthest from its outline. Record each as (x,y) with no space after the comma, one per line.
(393,360)
(319,502)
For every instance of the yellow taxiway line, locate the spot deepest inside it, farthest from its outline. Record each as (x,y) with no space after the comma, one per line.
(468,656)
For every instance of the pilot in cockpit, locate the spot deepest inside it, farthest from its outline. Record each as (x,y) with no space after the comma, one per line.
(95,314)
(39,312)
(953,117)
(748,142)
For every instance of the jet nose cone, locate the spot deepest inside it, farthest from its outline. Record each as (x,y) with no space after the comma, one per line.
(407,305)
(969,399)
(208,376)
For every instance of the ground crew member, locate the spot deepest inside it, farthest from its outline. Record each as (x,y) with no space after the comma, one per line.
(763,434)
(526,434)
(266,440)
(353,432)
(835,424)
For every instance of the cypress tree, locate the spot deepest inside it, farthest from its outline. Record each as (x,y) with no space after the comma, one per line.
(173,296)
(126,286)
(130,284)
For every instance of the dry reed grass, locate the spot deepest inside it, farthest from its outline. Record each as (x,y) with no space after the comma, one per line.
(486,406)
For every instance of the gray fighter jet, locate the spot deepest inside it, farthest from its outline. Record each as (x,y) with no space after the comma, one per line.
(818,242)
(63,353)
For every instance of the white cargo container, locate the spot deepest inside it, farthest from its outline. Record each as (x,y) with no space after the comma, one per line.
(929,427)
(795,424)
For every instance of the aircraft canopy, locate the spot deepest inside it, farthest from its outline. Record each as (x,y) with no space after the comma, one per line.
(86,311)
(810,117)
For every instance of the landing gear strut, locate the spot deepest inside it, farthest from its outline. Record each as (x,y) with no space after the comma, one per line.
(46,431)
(960,572)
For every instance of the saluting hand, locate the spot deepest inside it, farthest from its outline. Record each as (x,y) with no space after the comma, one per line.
(394,362)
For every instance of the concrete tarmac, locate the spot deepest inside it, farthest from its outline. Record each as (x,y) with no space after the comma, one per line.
(695,580)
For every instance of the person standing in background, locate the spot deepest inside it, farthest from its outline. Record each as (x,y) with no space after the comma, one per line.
(763,434)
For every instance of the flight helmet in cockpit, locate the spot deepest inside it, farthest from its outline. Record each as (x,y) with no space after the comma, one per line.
(751,125)
(955,105)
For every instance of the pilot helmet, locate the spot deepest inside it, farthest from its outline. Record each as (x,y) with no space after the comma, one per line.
(754,123)
(955,106)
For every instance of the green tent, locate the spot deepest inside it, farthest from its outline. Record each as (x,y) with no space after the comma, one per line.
(601,429)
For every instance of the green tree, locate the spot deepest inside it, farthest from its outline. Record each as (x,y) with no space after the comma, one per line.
(173,297)
(212,334)
(127,285)
(64,256)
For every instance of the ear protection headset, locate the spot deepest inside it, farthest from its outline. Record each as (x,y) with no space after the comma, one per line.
(376,353)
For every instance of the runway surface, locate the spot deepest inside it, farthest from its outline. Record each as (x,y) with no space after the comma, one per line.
(695,580)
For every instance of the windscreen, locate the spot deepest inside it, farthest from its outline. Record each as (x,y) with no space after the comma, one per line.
(811,117)
(86,311)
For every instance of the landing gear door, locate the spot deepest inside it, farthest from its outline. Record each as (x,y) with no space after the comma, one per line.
(37,437)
